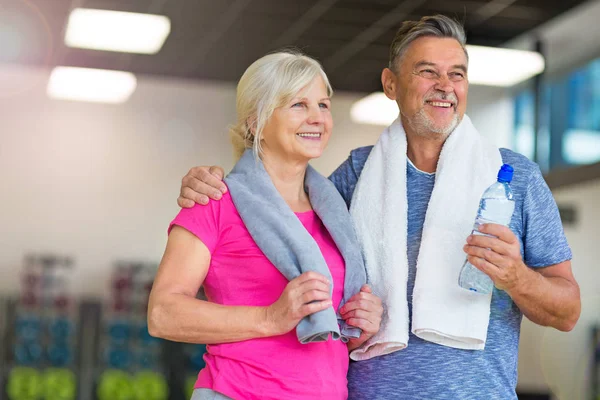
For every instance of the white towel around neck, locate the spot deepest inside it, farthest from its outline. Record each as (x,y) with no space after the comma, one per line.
(443,312)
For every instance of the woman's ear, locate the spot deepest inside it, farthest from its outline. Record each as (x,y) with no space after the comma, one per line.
(251,126)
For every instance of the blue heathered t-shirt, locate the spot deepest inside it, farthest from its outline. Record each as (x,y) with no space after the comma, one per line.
(426,370)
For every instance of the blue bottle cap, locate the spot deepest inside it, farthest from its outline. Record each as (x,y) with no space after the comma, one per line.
(506,173)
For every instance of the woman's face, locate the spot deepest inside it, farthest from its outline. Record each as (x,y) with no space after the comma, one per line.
(300,129)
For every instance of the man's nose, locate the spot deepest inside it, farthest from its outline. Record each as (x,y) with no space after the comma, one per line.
(444,84)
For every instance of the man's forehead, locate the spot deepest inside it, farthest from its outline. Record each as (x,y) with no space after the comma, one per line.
(435,49)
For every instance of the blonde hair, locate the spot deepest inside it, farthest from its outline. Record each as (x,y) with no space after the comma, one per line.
(269,83)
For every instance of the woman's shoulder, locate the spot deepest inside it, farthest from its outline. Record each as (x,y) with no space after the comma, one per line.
(215,213)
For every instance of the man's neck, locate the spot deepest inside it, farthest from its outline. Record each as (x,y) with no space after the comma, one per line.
(423,152)
(288,178)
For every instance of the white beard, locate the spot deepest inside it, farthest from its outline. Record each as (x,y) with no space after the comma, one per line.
(424,126)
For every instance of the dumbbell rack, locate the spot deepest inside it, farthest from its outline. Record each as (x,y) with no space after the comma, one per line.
(129,359)
(40,335)
(40,369)
(123,330)
(89,363)
(95,334)
(4,326)
(595,373)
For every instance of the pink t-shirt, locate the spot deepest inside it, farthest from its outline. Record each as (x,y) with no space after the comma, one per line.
(277,367)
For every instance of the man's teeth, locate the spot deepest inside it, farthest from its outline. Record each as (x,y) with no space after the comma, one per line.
(315,135)
(440,104)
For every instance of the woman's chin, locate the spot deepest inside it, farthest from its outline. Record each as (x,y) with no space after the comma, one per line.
(311,155)
(300,155)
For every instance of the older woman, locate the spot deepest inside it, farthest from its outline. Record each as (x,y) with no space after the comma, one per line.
(277,257)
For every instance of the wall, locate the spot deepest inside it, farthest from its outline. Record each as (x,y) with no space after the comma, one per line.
(556,360)
(492,111)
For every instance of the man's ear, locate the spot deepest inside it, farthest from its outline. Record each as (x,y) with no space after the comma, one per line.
(389,84)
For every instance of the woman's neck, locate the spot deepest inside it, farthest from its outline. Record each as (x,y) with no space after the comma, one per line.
(288,178)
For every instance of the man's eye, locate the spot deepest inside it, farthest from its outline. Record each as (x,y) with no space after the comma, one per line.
(428,73)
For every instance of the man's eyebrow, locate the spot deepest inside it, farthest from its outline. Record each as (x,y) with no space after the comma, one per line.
(425,64)
(462,67)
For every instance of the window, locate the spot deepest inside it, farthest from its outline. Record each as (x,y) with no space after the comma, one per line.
(569,131)
(581,139)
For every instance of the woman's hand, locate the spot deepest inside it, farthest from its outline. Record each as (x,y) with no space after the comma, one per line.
(364,311)
(302,296)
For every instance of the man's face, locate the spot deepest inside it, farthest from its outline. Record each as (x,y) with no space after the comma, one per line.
(432,86)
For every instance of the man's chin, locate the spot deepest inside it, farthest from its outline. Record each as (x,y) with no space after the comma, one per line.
(425,125)
(447,127)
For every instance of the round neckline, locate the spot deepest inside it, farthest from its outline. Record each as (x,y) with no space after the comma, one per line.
(308,212)
(430,174)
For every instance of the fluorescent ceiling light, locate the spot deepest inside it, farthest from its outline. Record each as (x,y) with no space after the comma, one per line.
(117,31)
(494,66)
(95,85)
(375,109)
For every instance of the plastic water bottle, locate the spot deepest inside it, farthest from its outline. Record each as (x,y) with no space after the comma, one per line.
(496,206)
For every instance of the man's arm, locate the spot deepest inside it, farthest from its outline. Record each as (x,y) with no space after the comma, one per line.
(548,296)
(202,184)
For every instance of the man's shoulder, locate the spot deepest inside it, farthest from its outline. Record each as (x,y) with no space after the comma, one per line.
(527,175)
(362,151)
(346,175)
(359,157)
(517,160)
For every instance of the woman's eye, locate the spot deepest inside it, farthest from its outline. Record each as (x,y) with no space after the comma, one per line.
(324,105)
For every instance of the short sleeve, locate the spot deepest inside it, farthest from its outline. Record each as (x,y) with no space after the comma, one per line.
(202,221)
(544,241)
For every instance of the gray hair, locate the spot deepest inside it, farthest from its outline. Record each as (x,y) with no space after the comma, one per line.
(269,83)
(435,25)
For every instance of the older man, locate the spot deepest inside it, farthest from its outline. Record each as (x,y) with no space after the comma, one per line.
(529,261)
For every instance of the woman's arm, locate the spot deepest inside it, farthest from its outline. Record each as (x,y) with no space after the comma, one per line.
(175,314)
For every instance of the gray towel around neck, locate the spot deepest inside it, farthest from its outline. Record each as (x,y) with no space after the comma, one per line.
(287,244)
